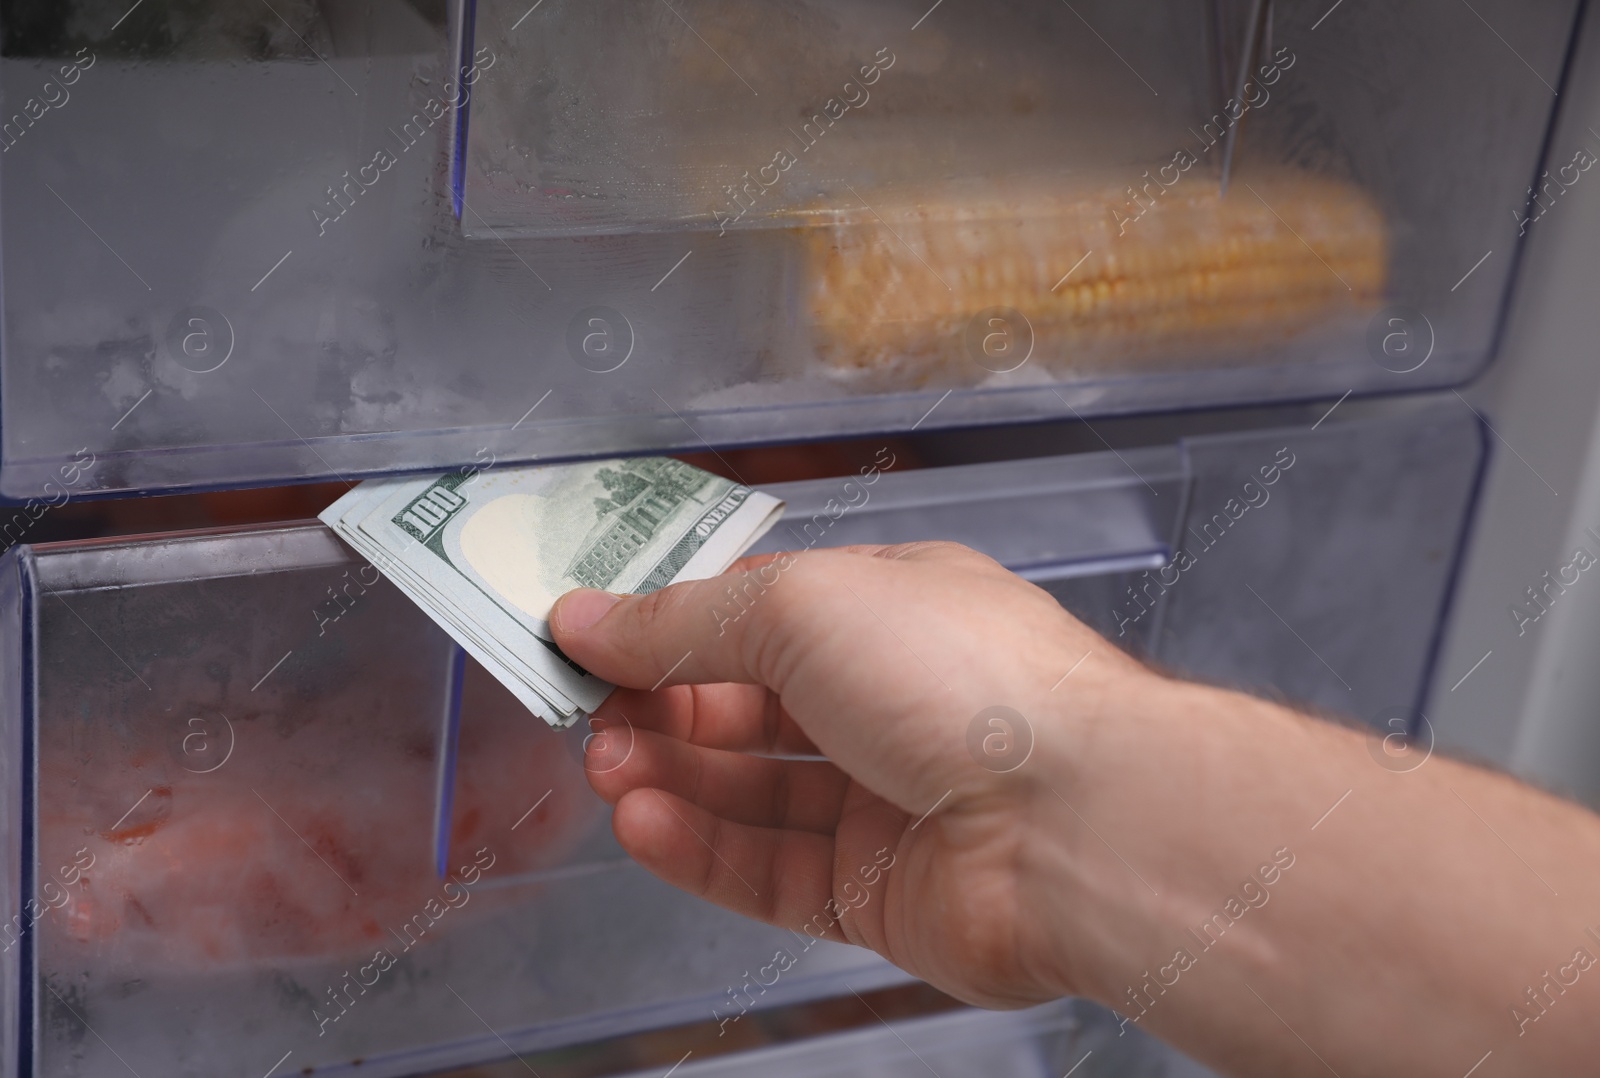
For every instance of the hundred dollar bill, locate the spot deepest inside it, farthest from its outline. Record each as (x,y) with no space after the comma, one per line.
(345,515)
(487,554)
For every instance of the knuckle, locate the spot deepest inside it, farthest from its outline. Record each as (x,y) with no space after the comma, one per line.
(807,573)
(771,722)
(969,557)
(723,882)
(652,626)
(768,905)
(783,806)
(780,618)
(709,873)
(932,548)
(697,776)
(650,610)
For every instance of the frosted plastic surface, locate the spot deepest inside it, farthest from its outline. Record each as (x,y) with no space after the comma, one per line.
(246,734)
(239,248)
(234,836)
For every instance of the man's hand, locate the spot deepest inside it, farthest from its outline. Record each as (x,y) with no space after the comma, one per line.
(1255,886)
(879,660)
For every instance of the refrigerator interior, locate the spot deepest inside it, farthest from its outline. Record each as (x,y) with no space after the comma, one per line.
(257,806)
(332,239)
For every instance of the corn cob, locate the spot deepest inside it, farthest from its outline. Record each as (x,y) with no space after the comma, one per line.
(892,286)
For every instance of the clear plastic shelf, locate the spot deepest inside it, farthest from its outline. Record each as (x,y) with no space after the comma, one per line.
(368,238)
(1048,518)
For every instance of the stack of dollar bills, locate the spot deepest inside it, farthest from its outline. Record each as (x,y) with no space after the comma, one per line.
(487,553)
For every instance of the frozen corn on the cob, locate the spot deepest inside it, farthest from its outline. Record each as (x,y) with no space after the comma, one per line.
(893,285)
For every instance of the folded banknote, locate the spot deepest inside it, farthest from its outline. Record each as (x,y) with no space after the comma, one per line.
(487,553)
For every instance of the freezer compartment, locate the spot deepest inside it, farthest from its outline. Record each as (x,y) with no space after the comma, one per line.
(259,815)
(957,195)
(336,239)
(271,815)
(231,839)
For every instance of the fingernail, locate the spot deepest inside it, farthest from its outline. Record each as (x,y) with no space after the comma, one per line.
(580,609)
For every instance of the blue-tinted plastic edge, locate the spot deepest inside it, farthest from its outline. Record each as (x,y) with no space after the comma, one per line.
(449,758)
(28,1024)
(458,152)
(1452,585)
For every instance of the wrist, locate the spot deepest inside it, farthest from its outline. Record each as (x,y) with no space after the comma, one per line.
(1099,748)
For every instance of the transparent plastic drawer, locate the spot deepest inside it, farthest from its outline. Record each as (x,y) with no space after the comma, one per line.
(259,813)
(329,238)
(1047,518)
(1310,562)
(258,809)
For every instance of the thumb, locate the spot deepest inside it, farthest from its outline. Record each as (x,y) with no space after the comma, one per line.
(695,632)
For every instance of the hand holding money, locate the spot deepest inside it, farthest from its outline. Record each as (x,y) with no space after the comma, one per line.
(486,554)
(912,749)
(835,768)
